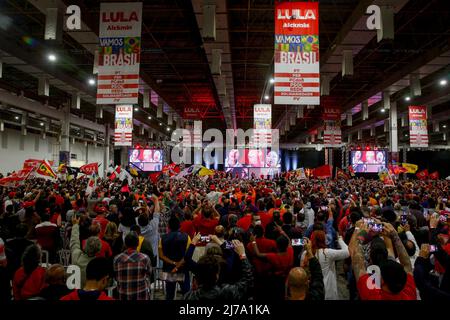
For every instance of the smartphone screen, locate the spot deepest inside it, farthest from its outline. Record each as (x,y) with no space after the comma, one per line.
(229,245)
(403,219)
(205,238)
(376,227)
(433,248)
(297,242)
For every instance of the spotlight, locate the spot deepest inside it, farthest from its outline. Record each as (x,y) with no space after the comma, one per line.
(406,134)
(168,129)
(383,110)
(16,117)
(444,126)
(51,57)
(149,117)
(407,98)
(91,81)
(136,109)
(443,82)
(266,97)
(160,124)
(42,124)
(272,80)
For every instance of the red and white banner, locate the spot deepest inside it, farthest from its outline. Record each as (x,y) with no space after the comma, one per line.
(90,168)
(297,70)
(119,53)
(418,132)
(262,125)
(123,133)
(332,135)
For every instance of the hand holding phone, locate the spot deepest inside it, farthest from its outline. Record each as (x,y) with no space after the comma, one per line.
(297,242)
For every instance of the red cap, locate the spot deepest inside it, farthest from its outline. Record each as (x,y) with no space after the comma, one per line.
(278,203)
(12,194)
(212,187)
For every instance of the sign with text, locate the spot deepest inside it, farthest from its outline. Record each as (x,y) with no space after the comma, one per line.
(123,131)
(119,53)
(297,71)
(192,113)
(262,123)
(418,132)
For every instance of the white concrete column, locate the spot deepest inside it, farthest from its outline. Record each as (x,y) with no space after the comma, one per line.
(393,132)
(65,129)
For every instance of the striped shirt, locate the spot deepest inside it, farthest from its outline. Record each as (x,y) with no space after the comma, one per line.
(132,271)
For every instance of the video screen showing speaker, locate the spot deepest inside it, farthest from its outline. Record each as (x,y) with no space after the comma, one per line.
(240,172)
(263,173)
(368,161)
(146,159)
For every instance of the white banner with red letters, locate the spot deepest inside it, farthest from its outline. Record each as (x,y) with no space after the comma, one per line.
(418,132)
(123,131)
(119,53)
(297,70)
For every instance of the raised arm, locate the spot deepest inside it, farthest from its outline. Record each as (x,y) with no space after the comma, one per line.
(75,246)
(356,251)
(403,256)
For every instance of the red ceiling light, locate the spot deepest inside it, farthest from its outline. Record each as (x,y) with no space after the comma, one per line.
(367,148)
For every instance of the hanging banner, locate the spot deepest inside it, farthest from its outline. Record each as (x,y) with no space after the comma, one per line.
(262,124)
(119,53)
(418,132)
(123,133)
(297,71)
(332,136)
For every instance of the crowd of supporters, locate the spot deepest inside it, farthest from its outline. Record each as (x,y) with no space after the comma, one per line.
(224,238)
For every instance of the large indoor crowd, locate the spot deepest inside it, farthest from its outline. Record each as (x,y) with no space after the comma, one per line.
(225,238)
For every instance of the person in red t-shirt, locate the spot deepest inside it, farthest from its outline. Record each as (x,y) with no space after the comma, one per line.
(281,263)
(396,280)
(105,250)
(206,220)
(29,279)
(187,226)
(97,279)
(101,211)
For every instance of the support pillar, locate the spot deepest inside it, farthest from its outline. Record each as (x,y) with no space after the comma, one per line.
(106,151)
(393,132)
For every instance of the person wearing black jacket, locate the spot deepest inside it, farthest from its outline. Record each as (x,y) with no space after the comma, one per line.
(300,286)
(428,287)
(208,268)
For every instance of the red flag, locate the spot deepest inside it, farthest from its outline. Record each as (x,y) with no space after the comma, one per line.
(340,174)
(172,169)
(154,177)
(434,175)
(351,171)
(90,168)
(395,169)
(323,172)
(45,171)
(422,175)
(15,178)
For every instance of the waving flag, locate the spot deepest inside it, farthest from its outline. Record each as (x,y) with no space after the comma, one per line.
(395,169)
(15,178)
(91,185)
(45,171)
(434,175)
(386,178)
(411,168)
(340,174)
(323,172)
(206,172)
(351,171)
(172,169)
(115,174)
(90,168)
(422,175)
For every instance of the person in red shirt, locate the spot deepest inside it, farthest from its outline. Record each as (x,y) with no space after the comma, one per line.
(105,250)
(98,271)
(206,220)
(187,226)
(29,279)
(396,280)
(281,263)
(101,211)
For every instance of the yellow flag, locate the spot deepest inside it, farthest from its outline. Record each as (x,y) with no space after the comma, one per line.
(412,168)
(206,172)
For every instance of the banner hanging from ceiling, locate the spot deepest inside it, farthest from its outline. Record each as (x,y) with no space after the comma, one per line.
(123,132)
(418,132)
(262,125)
(119,53)
(297,71)
(332,135)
